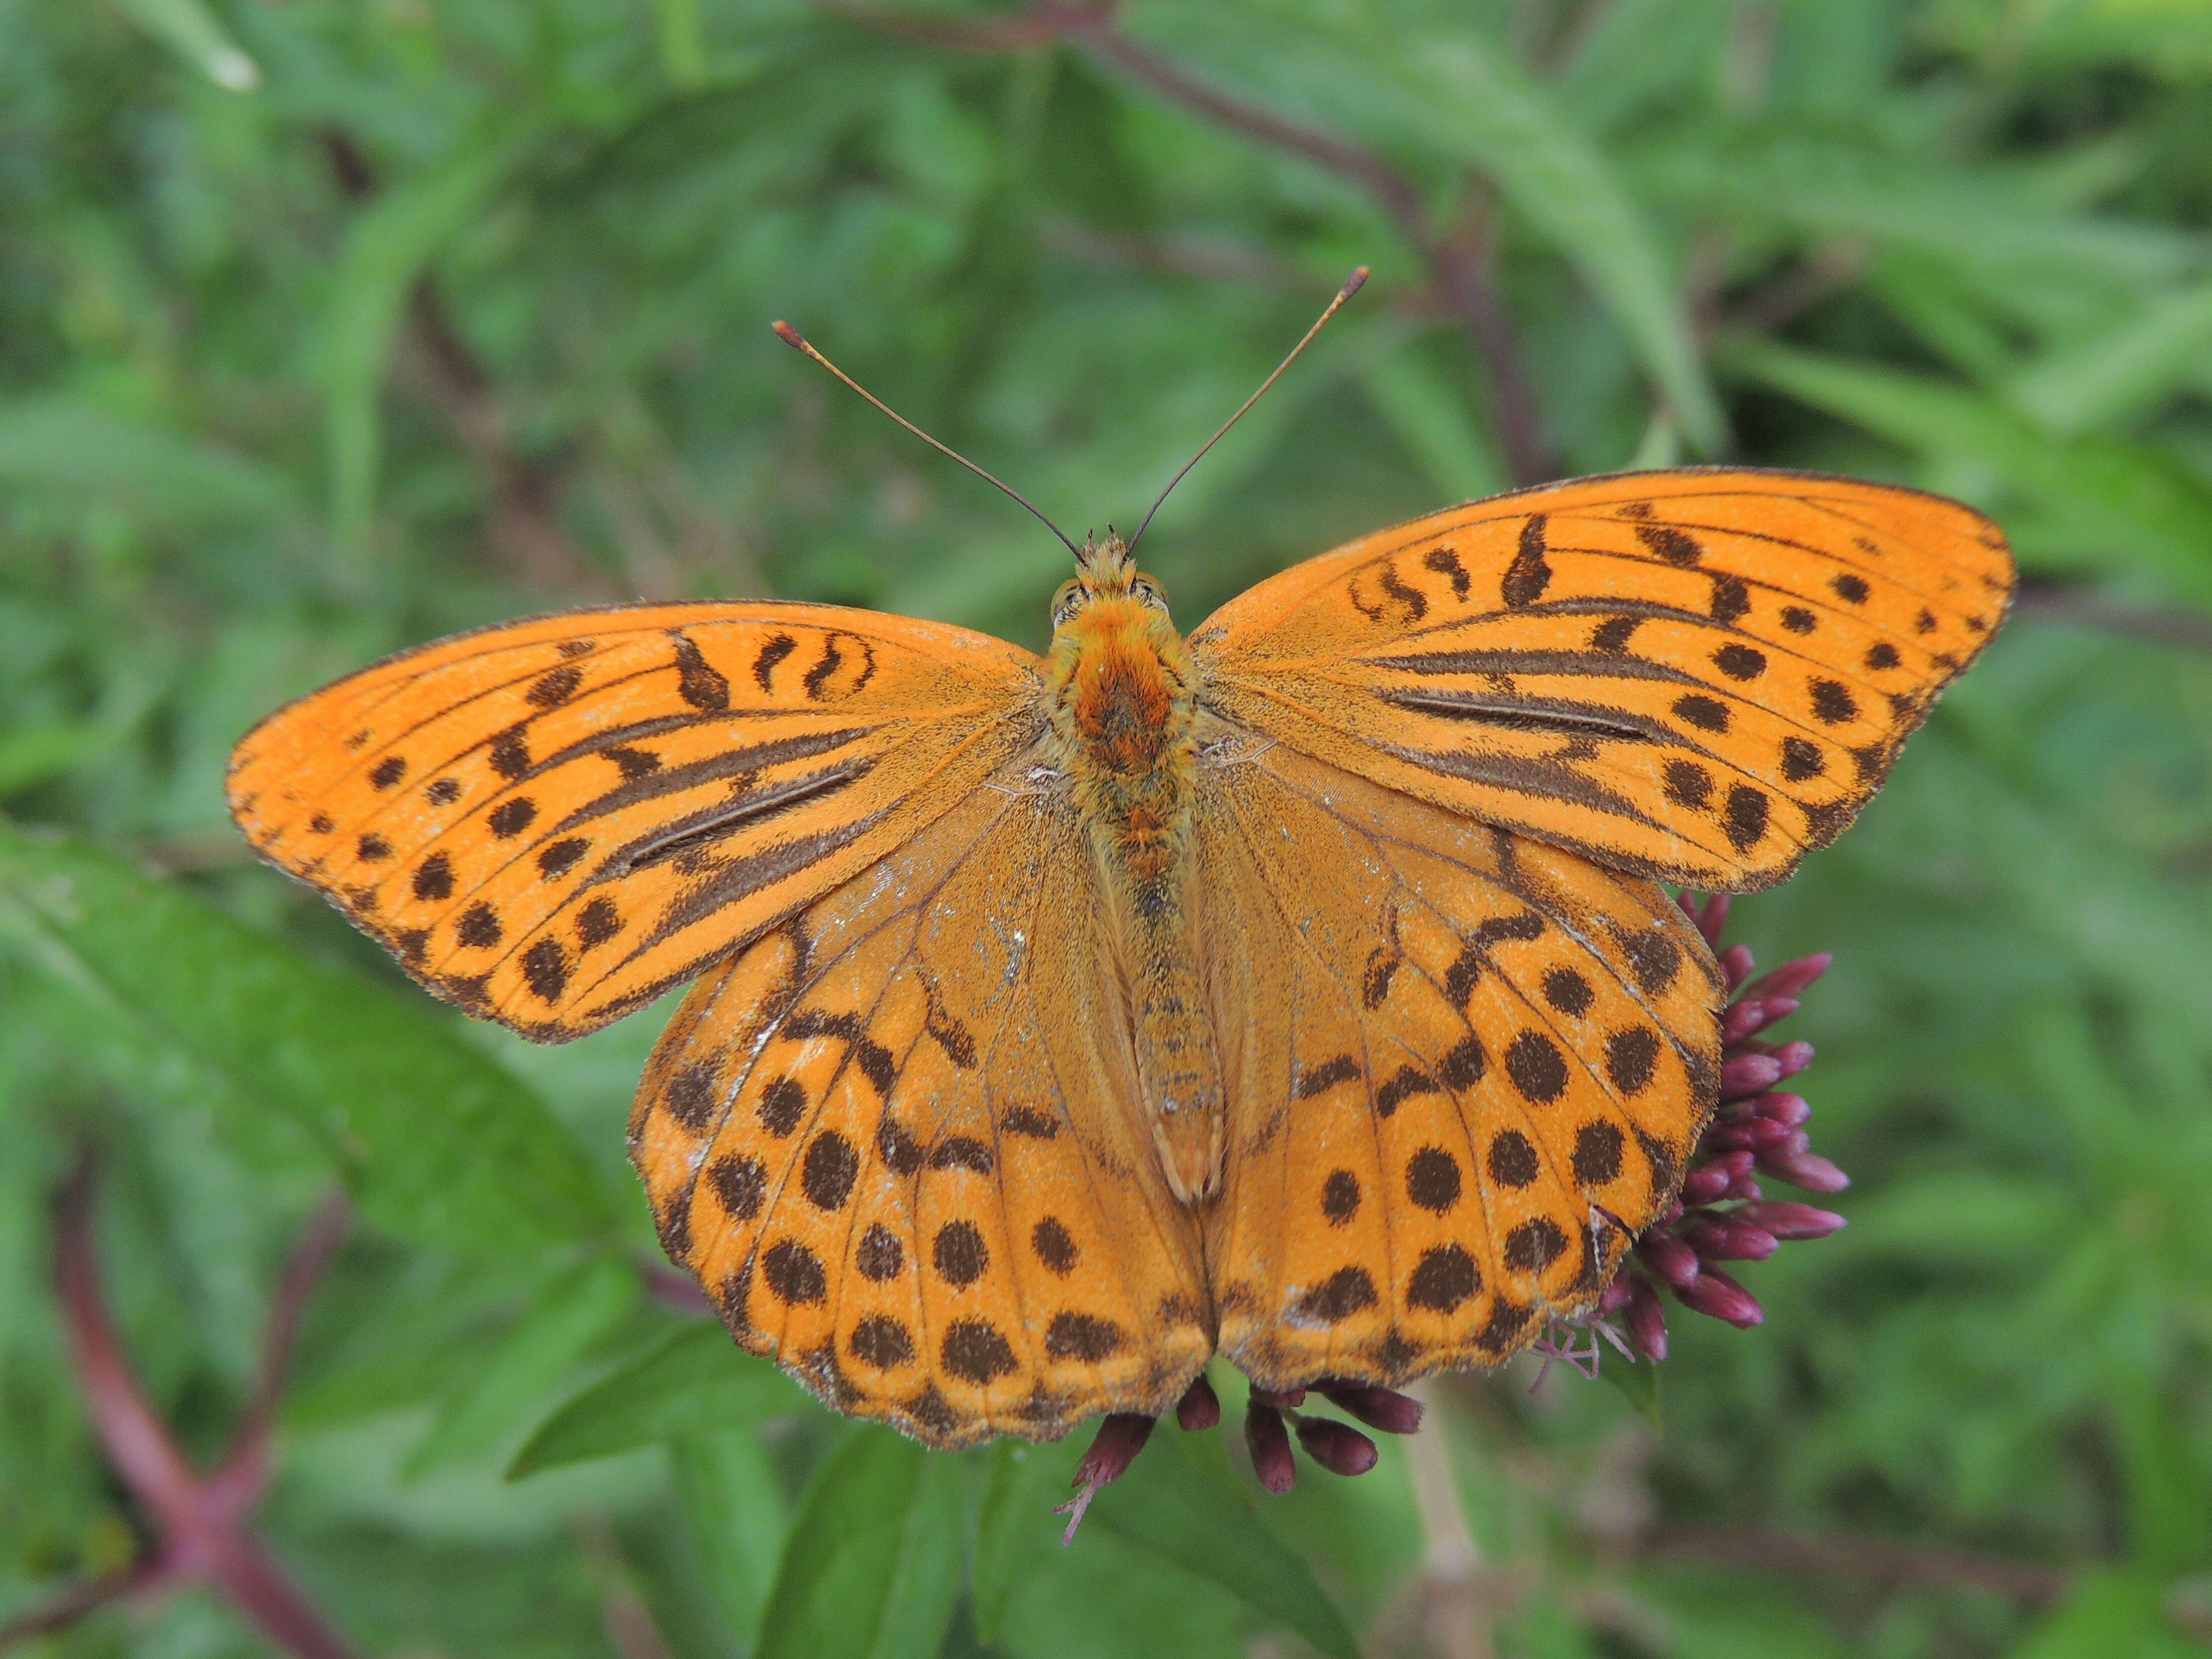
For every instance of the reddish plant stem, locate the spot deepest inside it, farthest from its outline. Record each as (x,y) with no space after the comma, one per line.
(202,1521)
(1457,264)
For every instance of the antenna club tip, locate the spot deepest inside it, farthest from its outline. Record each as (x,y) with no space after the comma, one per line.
(1352,283)
(790,336)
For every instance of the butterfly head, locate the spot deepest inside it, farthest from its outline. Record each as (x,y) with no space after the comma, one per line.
(1106,573)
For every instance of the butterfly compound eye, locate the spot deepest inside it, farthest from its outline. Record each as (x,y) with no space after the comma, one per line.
(1150,593)
(1065,602)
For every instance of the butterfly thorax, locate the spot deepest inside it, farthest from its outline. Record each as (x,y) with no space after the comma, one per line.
(1124,734)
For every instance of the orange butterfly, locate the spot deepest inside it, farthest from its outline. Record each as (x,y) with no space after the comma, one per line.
(1302,991)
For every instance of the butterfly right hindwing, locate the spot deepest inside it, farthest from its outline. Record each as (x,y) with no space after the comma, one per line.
(1464,1069)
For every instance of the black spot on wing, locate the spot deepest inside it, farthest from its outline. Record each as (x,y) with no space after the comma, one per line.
(1445,563)
(773,651)
(697,681)
(1529,574)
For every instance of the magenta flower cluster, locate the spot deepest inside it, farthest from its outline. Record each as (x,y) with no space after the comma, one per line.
(1722,1216)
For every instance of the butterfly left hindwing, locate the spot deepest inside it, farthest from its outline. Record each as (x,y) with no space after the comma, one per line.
(897,1141)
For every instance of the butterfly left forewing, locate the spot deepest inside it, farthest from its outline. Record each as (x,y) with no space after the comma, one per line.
(551,822)
(1698,675)
(897,1141)
(1464,1069)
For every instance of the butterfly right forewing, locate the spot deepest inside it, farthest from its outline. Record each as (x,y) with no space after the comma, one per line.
(1698,675)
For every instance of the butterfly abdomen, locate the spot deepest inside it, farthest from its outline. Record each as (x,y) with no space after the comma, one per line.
(1125,709)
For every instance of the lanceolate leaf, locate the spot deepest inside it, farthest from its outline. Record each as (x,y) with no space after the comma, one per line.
(386,251)
(1208,1525)
(872,1568)
(695,1379)
(438,1143)
(565,1318)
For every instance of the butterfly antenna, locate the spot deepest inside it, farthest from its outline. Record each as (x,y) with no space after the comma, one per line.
(1352,286)
(798,342)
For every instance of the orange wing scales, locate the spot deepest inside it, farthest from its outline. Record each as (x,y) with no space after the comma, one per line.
(1698,675)
(895,1138)
(1467,1069)
(552,823)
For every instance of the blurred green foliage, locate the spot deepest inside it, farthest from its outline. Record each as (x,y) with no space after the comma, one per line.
(327,327)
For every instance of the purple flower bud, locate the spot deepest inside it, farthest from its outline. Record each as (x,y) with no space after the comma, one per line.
(1749,1134)
(1736,965)
(1199,1407)
(1781,1109)
(1715,1294)
(1792,977)
(1792,1057)
(1668,1256)
(1807,1169)
(1379,1408)
(1725,1238)
(1647,1320)
(1283,1401)
(1337,1447)
(1787,1220)
(1747,1019)
(1705,1183)
(1119,1439)
(1616,1295)
(1744,1187)
(1121,1436)
(1745,1074)
(1711,917)
(1270,1445)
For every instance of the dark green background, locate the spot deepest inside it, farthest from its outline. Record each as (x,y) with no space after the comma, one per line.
(327,326)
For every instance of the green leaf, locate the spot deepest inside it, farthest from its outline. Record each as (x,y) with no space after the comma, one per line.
(1431,418)
(1975,218)
(36,753)
(1638,1384)
(1206,1523)
(1462,99)
(683,51)
(66,444)
(2123,371)
(2103,504)
(386,249)
(871,1569)
(1635,52)
(1013,1526)
(693,1378)
(438,1143)
(738,1516)
(565,1318)
(2110,1611)
(190,29)
(2169,1513)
